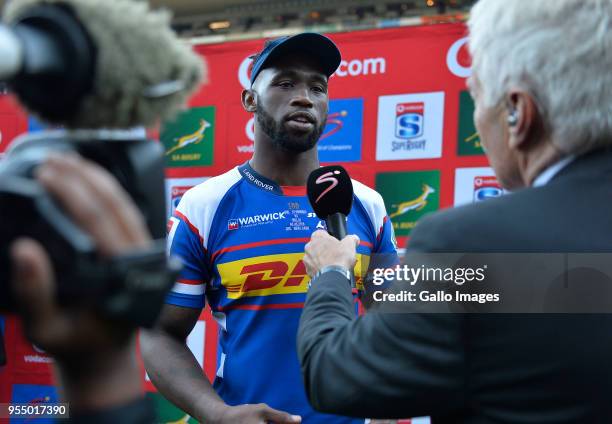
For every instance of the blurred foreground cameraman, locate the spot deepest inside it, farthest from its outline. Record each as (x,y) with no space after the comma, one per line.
(95,357)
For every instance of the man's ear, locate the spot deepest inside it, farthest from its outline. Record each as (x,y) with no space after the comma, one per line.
(523,119)
(249,100)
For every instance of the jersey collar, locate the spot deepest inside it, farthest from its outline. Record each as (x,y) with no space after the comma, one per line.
(263,183)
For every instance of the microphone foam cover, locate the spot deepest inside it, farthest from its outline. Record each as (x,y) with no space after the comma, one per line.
(330,191)
(136,49)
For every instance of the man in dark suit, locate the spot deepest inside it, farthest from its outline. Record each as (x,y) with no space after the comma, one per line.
(543,110)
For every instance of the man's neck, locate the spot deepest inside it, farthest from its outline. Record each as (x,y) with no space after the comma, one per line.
(537,161)
(285,168)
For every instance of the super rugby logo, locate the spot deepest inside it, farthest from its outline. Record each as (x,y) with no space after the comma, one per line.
(486,187)
(328,177)
(253,220)
(409,120)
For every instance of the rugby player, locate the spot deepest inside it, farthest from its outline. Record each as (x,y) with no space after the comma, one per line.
(241,237)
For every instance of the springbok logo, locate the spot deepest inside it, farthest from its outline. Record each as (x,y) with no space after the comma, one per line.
(415,204)
(193,138)
(183,420)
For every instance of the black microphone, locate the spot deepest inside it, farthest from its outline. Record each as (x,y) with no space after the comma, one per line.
(330,192)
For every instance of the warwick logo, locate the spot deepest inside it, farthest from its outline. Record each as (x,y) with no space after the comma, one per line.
(253,220)
(193,138)
(416,204)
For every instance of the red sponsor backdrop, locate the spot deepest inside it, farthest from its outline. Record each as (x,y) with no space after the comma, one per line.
(387,62)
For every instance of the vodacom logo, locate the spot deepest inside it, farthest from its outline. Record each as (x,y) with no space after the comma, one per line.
(250,129)
(243,73)
(352,68)
(453,56)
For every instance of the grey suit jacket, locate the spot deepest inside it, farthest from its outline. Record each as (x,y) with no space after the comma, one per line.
(475,368)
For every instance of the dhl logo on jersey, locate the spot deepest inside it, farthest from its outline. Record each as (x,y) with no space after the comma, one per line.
(271,274)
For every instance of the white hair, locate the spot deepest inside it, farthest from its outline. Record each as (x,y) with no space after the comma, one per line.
(560,51)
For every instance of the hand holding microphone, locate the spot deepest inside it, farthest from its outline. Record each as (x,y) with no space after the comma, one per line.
(324,250)
(330,193)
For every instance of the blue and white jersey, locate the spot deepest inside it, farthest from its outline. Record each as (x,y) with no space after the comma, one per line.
(241,238)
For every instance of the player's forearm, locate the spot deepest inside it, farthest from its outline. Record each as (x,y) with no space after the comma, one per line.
(177,375)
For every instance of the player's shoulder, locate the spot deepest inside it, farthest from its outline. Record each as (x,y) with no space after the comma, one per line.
(367,196)
(206,196)
(371,203)
(213,189)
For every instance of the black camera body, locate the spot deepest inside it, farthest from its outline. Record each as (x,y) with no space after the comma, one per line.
(130,288)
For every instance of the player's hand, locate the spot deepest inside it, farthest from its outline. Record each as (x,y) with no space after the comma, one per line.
(256,414)
(97,203)
(324,250)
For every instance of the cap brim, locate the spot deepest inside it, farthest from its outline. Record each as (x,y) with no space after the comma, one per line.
(317,46)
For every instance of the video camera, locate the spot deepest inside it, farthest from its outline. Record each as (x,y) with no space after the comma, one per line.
(28,210)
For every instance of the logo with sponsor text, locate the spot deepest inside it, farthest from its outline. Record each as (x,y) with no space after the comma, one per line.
(176,188)
(300,220)
(475,185)
(176,194)
(410,126)
(359,67)
(486,187)
(458,59)
(468,143)
(255,220)
(271,275)
(33,394)
(189,139)
(409,119)
(37,355)
(409,196)
(347,68)
(342,138)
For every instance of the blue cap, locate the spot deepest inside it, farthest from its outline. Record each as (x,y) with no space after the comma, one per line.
(310,44)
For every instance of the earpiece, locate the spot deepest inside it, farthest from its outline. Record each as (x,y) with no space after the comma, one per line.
(513,118)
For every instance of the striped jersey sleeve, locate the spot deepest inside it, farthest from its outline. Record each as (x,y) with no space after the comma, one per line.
(188,238)
(374,205)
